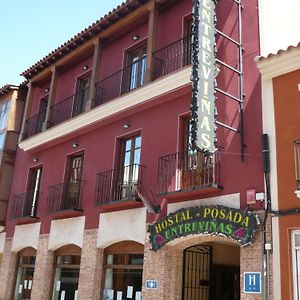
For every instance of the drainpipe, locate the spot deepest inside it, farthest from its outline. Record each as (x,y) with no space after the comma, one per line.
(266,246)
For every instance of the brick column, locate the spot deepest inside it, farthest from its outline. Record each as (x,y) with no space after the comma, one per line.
(7,271)
(165,266)
(43,271)
(90,267)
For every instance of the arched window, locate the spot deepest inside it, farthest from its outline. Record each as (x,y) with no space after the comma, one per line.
(123,270)
(66,272)
(24,274)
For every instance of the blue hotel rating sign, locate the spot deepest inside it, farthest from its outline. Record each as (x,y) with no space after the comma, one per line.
(151,284)
(252,282)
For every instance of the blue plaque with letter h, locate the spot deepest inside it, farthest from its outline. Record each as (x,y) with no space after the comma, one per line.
(252,282)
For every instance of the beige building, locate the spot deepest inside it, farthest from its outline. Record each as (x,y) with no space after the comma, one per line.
(11,108)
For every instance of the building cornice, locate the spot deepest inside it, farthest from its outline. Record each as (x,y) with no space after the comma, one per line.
(279,64)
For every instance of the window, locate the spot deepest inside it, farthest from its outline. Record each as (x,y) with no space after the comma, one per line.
(297,164)
(73,182)
(196,167)
(25,204)
(135,69)
(4,114)
(82,95)
(123,270)
(33,189)
(67,266)
(187,40)
(296,263)
(24,275)
(42,114)
(130,168)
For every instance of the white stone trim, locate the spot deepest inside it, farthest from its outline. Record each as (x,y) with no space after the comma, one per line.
(270,68)
(281,63)
(125,225)
(26,236)
(65,232)
(231,200)
(276,259)
(134,98)
(2,241)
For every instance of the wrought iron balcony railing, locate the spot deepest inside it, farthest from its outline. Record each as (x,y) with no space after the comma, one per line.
(118,185)
(69,107)
(34,125)
(24,205)
(165,61)
(121,82)
(188,171)
(65,196)
(172,57)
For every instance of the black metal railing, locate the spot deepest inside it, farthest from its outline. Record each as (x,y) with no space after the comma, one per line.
(121,82)
(24,205)
(179,172)
(117,185)
(65,196)
(172,57)
(69,107)
(34,125)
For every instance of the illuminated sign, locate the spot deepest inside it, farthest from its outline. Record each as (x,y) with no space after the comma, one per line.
(203,76)
(235,224)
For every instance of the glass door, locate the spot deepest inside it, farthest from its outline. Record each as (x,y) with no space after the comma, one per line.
(82,95)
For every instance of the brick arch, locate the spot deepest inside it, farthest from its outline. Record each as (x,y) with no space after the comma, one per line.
(191,240)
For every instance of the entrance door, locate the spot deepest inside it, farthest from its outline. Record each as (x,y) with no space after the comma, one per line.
(226,280)
(82,95)
(196,273)
(211,272)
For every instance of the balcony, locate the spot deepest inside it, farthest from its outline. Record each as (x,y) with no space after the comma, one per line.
(69,107)
(172,57)
(187,172)
(34,125)
(169,60)
(65,197)
(115,186)
(24,205)
(121,82)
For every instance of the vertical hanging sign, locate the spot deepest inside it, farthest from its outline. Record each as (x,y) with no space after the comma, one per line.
(203,76)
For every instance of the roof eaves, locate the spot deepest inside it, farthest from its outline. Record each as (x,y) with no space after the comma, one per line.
(95,28)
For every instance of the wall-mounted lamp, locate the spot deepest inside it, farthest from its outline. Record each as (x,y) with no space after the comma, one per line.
(46,90)
(135,37)
(35,159)
(126,125)
(85,67)
(75,145)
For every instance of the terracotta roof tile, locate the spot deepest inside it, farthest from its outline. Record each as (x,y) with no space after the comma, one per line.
(270,55)
(6,88)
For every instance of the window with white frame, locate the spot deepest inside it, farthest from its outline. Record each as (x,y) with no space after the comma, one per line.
(4,114)
(296,263)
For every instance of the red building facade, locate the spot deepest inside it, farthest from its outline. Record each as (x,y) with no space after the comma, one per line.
(104,151)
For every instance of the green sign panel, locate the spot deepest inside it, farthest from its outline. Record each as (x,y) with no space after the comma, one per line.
(236,224)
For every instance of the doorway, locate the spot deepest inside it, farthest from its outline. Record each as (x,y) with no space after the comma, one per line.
(211,272)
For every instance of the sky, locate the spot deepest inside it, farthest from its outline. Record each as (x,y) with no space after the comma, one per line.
(30,29)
